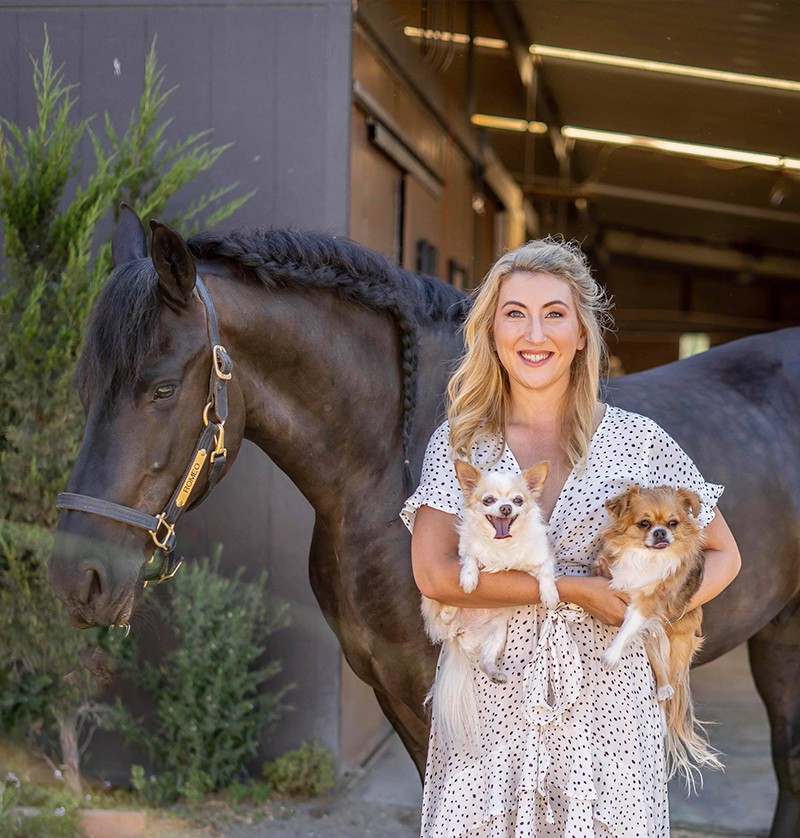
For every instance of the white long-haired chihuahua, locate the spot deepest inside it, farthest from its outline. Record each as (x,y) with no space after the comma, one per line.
(501,528)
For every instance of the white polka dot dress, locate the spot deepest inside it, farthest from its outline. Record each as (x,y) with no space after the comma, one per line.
(569,750)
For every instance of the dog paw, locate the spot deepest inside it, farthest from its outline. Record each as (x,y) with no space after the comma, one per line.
(447,613)
(665,693)
(498,676)
(609,660)
(469,580)
(550,600)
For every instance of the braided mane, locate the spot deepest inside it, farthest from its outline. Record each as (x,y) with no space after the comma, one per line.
(359,274)
(122,329)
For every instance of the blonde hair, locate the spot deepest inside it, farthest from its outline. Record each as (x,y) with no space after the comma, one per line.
(478,392)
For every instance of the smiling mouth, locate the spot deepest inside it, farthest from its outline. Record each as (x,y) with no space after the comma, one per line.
(535,359)
(502,526)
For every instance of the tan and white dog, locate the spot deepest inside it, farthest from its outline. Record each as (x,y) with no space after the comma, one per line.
(654,552)
(501,528)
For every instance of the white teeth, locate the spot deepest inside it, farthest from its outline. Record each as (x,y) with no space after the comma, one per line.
(538,357)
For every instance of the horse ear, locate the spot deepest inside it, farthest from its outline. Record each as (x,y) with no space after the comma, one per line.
(173,263)
(535,477)
(468,476)
(128,241)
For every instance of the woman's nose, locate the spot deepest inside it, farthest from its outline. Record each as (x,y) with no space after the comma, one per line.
(535,330)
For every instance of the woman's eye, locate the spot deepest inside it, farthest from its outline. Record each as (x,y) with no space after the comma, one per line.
(164,391)
(515,311)
(518,501)
(557,313)
(643,525)
(488,501)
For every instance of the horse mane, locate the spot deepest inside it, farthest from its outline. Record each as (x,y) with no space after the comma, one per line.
(123,326)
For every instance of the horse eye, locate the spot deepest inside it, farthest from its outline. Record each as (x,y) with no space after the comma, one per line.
(519,501)
(488,500)
(643,525)
(164,391)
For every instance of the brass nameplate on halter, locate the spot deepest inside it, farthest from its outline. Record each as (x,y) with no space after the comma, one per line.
(191,478)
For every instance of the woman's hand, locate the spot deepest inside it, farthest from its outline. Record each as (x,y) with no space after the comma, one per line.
(593,594)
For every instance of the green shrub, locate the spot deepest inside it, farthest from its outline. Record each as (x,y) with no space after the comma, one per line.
(57,818)
(53,269)
(250,792)
(211,704)
(305,772)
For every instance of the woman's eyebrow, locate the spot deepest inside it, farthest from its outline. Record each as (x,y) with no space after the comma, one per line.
(522,305)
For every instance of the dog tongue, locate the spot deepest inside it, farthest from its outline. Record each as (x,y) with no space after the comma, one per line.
(502,526)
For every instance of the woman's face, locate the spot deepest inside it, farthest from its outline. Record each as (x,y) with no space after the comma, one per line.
(536,330)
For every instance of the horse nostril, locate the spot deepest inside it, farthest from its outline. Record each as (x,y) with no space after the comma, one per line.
(97,580)
(505,510)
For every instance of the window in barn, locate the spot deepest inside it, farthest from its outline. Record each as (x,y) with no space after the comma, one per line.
(691,343)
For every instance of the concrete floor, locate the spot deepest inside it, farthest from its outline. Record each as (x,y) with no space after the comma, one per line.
(737,802)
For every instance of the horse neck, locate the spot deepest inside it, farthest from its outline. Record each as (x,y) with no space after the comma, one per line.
(321,383)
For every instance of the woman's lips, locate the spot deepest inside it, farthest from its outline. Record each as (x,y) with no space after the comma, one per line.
(531,363)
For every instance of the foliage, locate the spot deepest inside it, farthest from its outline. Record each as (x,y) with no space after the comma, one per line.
(305,772)
(211,705)
(250,791)
(57,817)
(45,687)
(54,267)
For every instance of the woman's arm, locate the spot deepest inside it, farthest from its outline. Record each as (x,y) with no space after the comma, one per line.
(434,559)
(722,565)
(722,561)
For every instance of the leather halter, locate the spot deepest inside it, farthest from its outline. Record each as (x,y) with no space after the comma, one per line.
(210,445)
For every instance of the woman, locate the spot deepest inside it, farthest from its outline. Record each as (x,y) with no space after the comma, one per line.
(569,750)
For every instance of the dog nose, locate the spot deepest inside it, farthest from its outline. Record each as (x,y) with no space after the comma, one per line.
(505,510)
(659,534)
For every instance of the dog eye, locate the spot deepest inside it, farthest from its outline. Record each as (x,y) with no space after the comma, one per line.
(164,391)
(519,501)
(643,525)
(488,500)
(673,523)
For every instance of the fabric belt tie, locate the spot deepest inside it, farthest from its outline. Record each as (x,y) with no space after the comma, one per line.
(551,684)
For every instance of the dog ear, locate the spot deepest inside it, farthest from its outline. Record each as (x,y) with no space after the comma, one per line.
(618,505)
(468,476)
(535,477)
(173,263)
(690,500)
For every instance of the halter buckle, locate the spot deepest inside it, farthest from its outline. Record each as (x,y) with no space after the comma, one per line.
(169,539)
(225,376)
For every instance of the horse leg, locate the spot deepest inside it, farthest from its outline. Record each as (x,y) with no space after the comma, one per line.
(413,732)
(775,663)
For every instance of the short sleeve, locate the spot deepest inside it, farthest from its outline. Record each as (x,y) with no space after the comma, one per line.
(669,464)
(438,485)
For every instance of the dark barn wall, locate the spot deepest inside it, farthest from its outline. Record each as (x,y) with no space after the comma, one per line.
(275,78)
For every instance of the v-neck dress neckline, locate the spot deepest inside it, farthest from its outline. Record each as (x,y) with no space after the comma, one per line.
(597,432)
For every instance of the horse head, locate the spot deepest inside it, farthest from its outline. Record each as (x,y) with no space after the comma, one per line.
(164,420)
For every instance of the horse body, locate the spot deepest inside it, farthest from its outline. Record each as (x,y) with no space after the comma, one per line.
(317,385)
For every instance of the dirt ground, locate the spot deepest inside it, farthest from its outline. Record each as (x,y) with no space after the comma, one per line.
(335,816)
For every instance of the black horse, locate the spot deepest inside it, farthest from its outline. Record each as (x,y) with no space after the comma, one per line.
(334,352)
